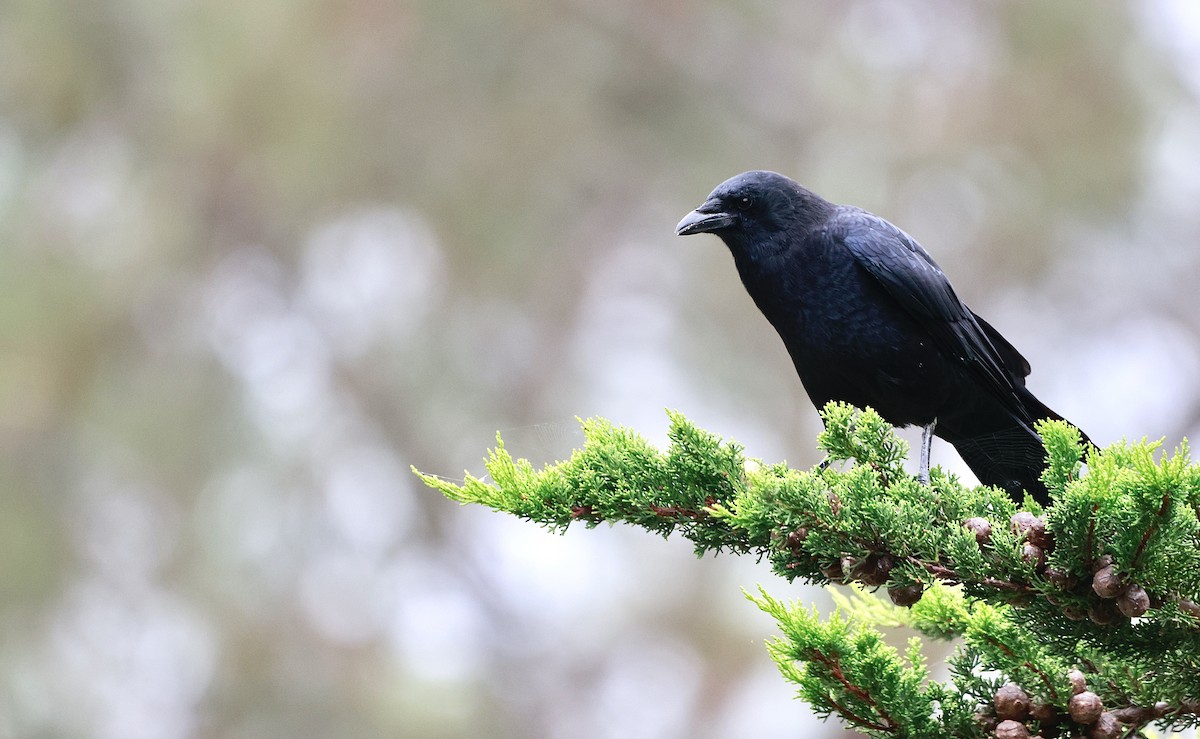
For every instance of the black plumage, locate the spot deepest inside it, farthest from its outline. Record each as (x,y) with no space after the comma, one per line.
(870,319)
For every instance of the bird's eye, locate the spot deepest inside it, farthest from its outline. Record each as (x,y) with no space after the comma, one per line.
(744,202)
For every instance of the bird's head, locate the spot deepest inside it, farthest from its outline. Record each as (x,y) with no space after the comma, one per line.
(754,211)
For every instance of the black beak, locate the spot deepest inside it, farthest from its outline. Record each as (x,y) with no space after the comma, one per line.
(705,219)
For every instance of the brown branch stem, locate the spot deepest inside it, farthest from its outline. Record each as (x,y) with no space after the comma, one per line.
(1053,694)
(1137,554)
(835,669)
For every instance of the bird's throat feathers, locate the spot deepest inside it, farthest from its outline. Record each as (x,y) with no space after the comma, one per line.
(758,246)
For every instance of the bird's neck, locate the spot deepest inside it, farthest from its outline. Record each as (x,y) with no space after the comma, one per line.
(761,250)
(772,278)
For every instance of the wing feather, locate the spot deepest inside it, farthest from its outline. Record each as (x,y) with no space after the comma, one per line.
(909,274)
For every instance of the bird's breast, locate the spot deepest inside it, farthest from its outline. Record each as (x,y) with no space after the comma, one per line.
(849,340)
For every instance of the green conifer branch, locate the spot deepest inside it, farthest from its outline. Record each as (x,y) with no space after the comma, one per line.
(1106,581)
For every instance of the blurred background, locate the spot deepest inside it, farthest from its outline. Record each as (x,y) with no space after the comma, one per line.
(257,259)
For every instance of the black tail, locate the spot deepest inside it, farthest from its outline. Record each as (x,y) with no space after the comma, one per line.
(1012,459)
(1006,453)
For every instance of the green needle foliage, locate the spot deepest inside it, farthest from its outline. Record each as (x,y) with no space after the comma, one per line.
(1105,582)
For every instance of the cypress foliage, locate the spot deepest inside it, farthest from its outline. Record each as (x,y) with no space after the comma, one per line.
(1081,620)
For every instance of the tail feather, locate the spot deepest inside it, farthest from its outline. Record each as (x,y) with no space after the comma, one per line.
(1011,459)
(1006,452)
(1036,409)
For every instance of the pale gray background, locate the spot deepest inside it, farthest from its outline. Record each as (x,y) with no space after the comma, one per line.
(257,258)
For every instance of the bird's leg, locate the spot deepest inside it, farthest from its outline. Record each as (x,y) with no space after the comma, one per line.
(926,444)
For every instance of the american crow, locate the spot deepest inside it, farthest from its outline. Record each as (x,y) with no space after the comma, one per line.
(870,319)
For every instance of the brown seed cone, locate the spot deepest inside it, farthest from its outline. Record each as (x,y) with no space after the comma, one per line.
(1011,702)
(1106,583)
(1033,554)
(1074,613)
(1085,707)
(981,527)
(1060,579)
(907,595)
(875,569)
(1038,535)
(1021,522)
(1045,713)
(833,571)
(1134,601)
(1103,612)
(1101,562)
(1106,727)
(1011,730)
(1078,681)
(796,538)
(1189,607)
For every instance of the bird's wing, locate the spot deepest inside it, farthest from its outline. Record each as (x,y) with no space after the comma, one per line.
(911,276)
(1014,362)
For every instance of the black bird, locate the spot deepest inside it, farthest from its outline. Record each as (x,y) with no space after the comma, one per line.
(870,319)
